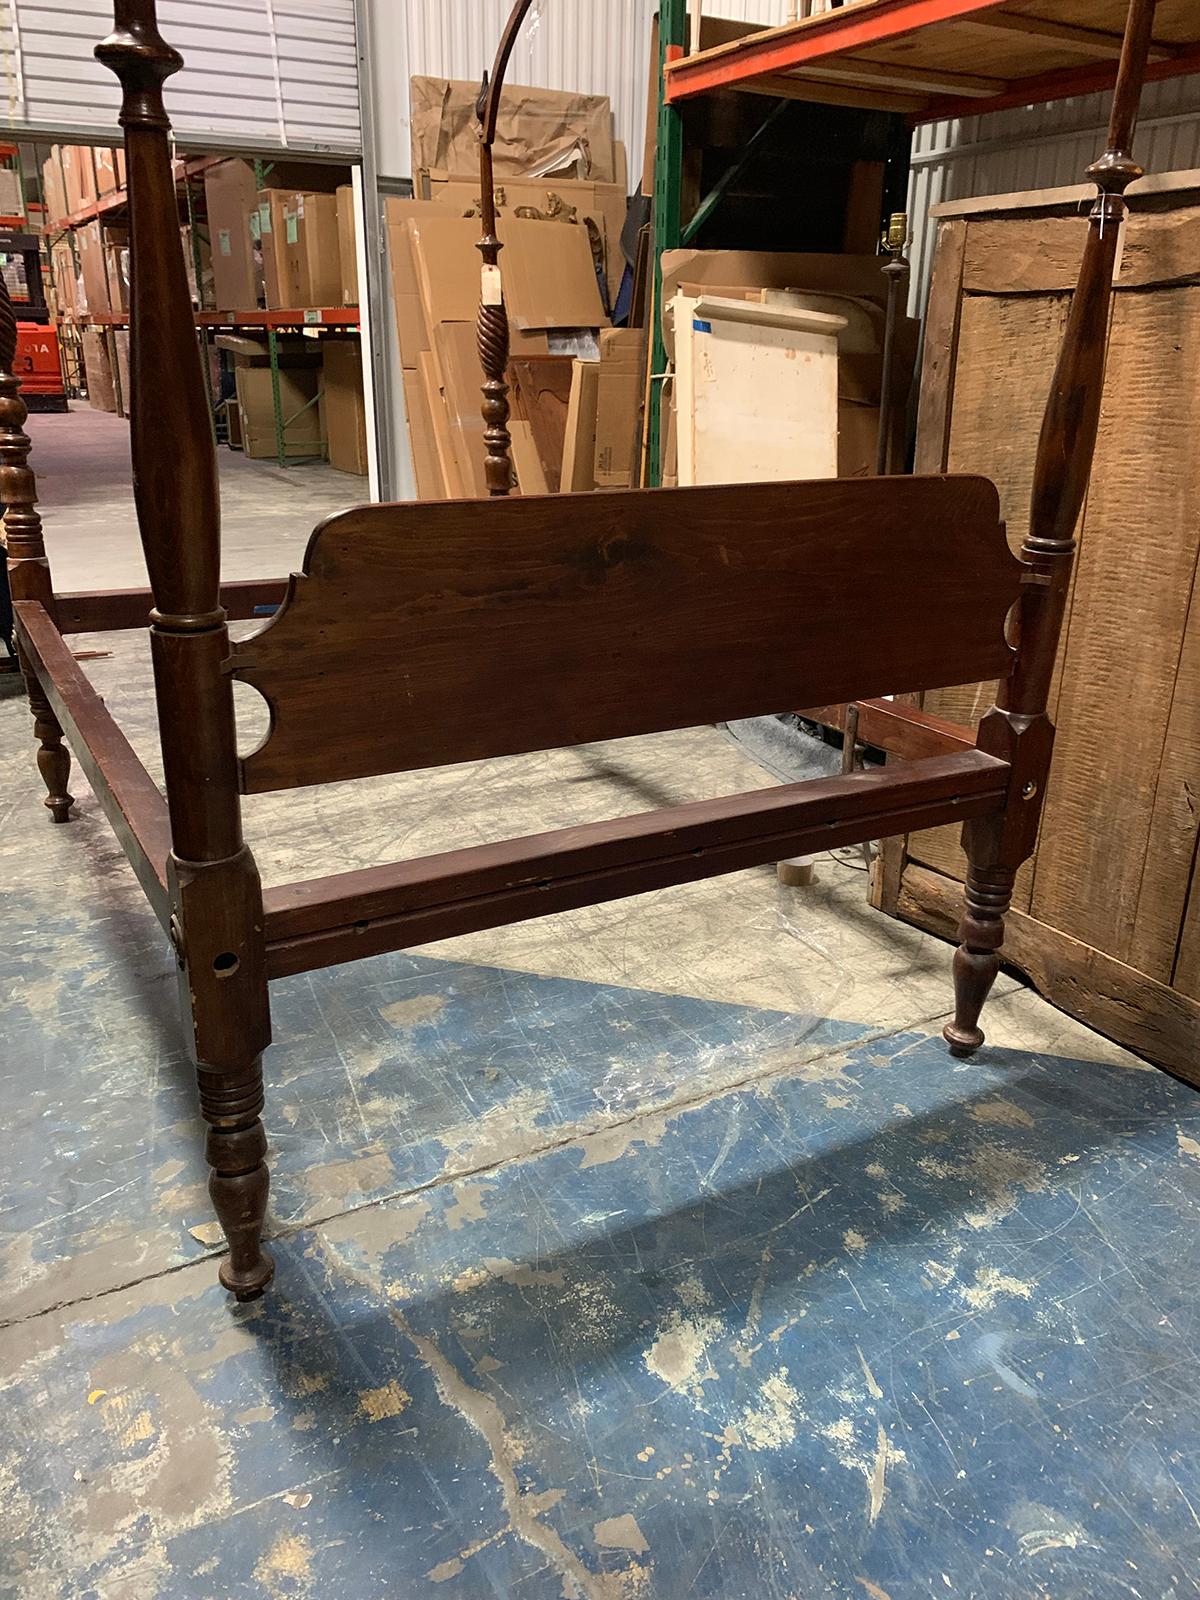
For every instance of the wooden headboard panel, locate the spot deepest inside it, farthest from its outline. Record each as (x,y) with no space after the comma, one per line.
(420,635)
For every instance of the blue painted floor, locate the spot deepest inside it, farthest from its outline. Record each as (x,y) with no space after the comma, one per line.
(876,1325)
(653,1252)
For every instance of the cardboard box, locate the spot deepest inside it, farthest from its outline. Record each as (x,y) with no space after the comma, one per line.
(98,370)
(266,227)
(297,387)
(105,163)
(546,267)
(231,197)
(79,176)
(420,432)
(116,265)
(345,407)
(12,200)
(347,244)
(54,193)
(538,131)
(618,395)
(200,289)
(64,278)
(120,346)
(321,278)
(305,236)
(602,205)
(93,268)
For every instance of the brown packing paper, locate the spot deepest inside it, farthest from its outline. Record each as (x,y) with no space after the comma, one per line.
(539,131)
(618,391)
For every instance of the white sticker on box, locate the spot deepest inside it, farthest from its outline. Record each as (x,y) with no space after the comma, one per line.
(493,291)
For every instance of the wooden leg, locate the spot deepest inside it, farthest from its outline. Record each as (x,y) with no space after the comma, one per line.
(53,758)
(238,1182)
(977,959)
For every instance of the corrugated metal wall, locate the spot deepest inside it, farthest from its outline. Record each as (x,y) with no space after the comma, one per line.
(268,74)
(1039,147)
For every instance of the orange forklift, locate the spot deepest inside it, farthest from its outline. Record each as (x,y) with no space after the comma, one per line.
(38,364)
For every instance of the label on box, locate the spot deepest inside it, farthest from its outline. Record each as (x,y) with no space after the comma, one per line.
(224,243)
(292,227)
(312,316)
(255,225)
(492,292)
(264,218)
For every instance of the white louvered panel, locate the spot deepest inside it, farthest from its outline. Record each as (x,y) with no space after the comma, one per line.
(262,74)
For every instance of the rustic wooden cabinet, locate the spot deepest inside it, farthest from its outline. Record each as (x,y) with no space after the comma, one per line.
(1106,915)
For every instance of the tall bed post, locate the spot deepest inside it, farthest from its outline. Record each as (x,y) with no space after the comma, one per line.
(493,335)
(1018,728)
(28,566)
(216,899)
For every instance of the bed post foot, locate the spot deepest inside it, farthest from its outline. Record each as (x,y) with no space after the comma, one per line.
(53,757)
(977,959)
(238,1182)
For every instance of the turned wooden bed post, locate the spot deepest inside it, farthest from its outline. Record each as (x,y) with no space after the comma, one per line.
(28,567)
(1018,727)
(216,898)
(493,316)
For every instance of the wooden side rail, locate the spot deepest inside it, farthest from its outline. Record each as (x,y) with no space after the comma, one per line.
(901,730)
(329,920)
(110,610)
(127,794)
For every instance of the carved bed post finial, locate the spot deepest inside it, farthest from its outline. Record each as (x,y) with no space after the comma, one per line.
(217,921)
(1018,727)
(493,317)
(28,567)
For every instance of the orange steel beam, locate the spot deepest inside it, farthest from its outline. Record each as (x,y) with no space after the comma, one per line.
(781,50)
(1094,78)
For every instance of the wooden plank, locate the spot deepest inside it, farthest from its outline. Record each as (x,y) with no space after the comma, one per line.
(530,477)
(901,730)
(940,355)
(1007,350)
(388,908)
(1133,585)
(1169,871)
(579,448)
(1115,999)
(619,614)
(543,392)
(111,610)
(1041,255)
(439,420)
(1187,966)
(127,794)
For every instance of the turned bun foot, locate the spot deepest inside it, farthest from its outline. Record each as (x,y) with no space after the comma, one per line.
(962,1041)
(247,1282)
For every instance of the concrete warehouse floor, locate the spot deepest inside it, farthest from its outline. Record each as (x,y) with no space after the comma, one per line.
(656,1250)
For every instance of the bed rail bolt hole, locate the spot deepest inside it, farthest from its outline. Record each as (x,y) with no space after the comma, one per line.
(226,964)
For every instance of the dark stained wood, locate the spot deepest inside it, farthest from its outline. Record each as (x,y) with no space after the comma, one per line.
(215,895)
(1140,1013)
(1019,729)
(110,610)
(28,567)
(127,794)
(543,397)
(596,616)
(387,908)
(901,730)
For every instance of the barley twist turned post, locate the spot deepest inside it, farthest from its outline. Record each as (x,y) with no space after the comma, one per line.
(1018,728)
(28,567)
(493,316)
(216,898)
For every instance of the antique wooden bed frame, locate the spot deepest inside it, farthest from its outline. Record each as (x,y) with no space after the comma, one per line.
(426,634)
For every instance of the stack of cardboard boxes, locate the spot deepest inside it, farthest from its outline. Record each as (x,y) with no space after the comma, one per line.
(561,200)
(287,245)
